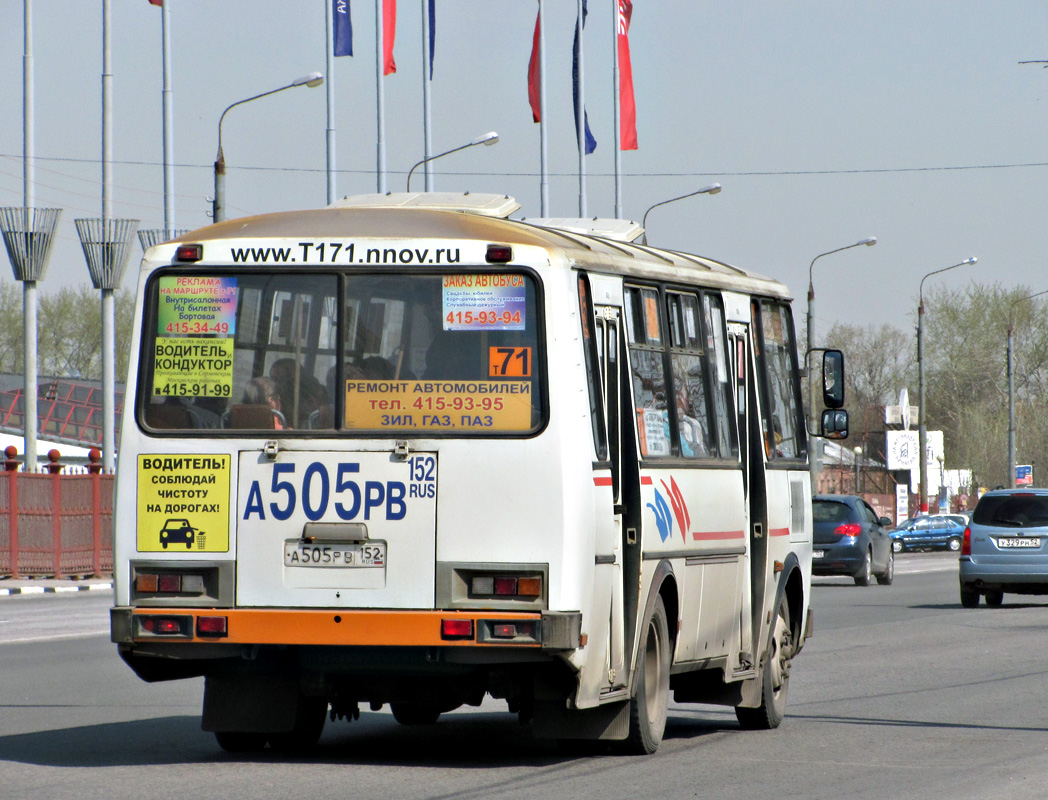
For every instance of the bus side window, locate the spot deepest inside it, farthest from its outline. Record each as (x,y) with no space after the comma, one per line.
(688,363)
(780,389)
(647,365)
(589,347)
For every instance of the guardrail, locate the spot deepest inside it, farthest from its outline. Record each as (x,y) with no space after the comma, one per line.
(57,523)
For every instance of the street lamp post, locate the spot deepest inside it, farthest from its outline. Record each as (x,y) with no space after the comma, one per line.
(857,451)
(922,430)
(713,188)
(813,419)
(1011,391)
(486,139)
(218,203)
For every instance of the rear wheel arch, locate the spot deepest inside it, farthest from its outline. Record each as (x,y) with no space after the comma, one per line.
(791,584)
(664,584)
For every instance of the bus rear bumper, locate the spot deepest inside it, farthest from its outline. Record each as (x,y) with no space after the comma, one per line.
(546,630)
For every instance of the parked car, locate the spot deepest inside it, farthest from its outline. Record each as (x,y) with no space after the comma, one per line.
(1005,547)
(934,532)
(850,539)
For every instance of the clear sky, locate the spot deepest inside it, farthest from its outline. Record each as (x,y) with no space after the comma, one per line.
(826,122)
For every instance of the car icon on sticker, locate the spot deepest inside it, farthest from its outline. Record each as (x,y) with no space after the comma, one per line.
(177,531)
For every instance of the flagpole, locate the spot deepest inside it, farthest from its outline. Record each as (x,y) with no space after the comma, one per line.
(427,133)
(107,111)
(580,114)
(329,58)
(168,117)
(543,166)
(380,100)
(617,111)
(29,323)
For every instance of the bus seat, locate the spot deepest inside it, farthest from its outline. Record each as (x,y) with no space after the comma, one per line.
(322,419)
(168,416)
(254,416)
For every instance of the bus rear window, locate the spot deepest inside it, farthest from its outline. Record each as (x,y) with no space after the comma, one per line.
(370,354)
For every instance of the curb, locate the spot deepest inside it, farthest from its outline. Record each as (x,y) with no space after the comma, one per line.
(93,587)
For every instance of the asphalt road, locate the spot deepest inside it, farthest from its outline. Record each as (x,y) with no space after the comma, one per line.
(901,694)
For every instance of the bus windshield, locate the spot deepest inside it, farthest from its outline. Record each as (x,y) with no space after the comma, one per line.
(388,354)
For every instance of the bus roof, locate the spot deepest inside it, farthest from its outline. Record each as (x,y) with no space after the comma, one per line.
(480,217)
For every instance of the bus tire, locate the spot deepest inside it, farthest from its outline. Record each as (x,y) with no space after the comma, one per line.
(240,741)
(650,704)
(775,677)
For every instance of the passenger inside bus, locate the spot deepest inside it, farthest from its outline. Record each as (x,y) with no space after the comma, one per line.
(300,393)
(260,407)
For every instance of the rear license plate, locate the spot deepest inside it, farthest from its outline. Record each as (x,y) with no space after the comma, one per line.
(334,554)
(1017,541)
(817,554)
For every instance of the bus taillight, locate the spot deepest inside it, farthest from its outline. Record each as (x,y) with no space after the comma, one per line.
(211,627)
(456,629)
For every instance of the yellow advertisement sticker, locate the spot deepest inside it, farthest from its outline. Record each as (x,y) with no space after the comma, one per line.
(439,405)
(183,503)
(193,367)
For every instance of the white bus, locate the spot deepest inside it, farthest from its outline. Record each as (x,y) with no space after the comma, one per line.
(404,450)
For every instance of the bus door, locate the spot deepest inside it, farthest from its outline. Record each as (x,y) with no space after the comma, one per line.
(625,470)
(751,447)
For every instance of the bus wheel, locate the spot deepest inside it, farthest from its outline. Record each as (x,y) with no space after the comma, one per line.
(240,741)
(649,706)
(415,713)
(775,678)
(309,724)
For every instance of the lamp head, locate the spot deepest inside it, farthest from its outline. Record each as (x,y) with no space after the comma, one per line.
(487,139)
(713,188)
(970,260)
(311,80)
(869,241)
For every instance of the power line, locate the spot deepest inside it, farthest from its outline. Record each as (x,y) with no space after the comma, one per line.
(677,174)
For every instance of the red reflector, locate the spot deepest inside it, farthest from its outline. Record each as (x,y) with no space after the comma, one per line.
(149,625)
(169,583)
(505,585)
(504,630)
(456,629)
(499,254)
(189,252)
(211,626)
(848,529)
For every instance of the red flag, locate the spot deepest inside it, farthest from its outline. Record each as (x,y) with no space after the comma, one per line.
(156,2)
(533,76)
(627,107)
(389,33)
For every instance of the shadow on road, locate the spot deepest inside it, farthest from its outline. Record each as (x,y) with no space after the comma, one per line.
(456,741)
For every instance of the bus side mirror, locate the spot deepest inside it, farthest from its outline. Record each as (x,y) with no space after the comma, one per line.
(833,379)
(834,424)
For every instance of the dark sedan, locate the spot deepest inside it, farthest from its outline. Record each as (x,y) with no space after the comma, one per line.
(850,539)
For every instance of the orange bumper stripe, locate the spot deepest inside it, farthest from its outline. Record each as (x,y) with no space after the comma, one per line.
(334,627)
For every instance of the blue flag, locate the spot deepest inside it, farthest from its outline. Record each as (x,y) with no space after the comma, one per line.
(343,28)
(591,143)
(432,34)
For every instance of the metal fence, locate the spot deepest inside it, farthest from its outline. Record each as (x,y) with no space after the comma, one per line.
(56,524)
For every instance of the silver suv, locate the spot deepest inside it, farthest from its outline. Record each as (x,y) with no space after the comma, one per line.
(1005,547)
